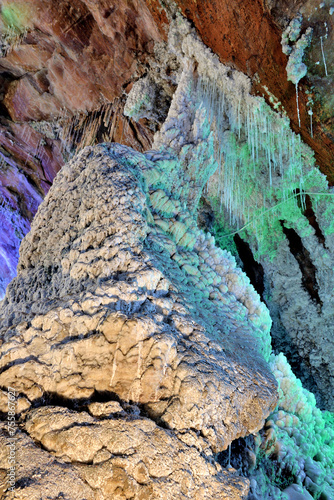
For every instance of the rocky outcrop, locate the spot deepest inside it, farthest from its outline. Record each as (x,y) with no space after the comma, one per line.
(119,456)
(301,301)
(33,156)
(78,55)
(247,36)
(136,347)
(263,184)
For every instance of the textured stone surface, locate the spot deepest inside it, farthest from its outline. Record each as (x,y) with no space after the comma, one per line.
(38,472)
(247,37)
(107,303)
(304,327)
(293,238)
(130,458)
(87,51)
(65,59)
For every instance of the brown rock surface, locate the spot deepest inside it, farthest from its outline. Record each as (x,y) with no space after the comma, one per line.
(113,458)
(69,64)
(87,51)
(62,63)
(103,306)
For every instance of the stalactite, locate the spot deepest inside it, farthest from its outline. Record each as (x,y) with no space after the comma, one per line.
(323,55)
(310,112)
(297,103)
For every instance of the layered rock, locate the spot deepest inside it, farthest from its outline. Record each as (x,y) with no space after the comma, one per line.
(63,67)
(120,456)
(247,37)
(122,309)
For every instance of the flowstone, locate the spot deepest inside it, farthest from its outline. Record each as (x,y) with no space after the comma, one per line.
(263,184)
(126,328)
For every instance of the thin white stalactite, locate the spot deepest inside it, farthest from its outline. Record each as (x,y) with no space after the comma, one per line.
(297,103)
(311,124)
(323,55)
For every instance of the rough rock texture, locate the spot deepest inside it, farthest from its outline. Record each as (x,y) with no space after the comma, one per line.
(292,456)
(86,51)
(128,457)
(64,59)
(62,64)
(247,37)
(216,126)
(109,303)
(35,153)
(301,301)
(65,70)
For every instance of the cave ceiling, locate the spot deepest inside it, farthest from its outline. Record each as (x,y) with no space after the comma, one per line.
(67,67)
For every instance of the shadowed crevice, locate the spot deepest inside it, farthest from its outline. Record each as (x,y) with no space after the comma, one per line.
(307,209)
(302,256)
(253,269)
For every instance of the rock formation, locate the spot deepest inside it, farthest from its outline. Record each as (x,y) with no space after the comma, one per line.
(50,49)
(262,184)
(123,359)
(128,328)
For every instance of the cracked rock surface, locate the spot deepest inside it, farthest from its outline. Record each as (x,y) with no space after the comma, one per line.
(135,346)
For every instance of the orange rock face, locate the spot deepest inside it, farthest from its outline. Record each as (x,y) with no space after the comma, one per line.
(87,53)
(76,57)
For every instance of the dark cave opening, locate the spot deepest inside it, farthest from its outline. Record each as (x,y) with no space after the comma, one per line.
(247,457)
(305,204)
(238,455)
(302,256)
(251,267)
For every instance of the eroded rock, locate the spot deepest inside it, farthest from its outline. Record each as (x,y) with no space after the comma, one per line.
(108,303)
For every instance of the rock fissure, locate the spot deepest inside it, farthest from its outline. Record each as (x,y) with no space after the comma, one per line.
(20,361)
(305,263)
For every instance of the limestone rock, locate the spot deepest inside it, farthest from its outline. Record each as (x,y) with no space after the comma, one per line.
(232,29)
(113,459)
(105,304)
(38,472)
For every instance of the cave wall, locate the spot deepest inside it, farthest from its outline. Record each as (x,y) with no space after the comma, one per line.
(125,326)
(74,74)
(64,65)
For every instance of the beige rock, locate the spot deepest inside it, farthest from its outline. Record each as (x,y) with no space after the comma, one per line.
(104,409)
(138,457)
(105,310)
